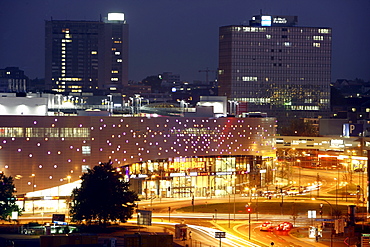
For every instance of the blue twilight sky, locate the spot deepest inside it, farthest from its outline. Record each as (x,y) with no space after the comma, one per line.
(181,36)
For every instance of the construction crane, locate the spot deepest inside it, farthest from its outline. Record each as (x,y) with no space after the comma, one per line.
(206,71)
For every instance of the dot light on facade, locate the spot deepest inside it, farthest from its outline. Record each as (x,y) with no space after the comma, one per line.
(171,144)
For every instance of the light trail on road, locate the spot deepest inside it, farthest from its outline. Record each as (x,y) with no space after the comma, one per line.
(230,239)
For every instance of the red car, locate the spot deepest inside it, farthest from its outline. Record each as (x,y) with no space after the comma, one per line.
(285,226)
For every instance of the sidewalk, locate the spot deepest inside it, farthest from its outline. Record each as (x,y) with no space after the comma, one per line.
(300,234)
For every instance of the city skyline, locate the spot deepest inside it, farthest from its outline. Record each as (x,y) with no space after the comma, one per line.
(182,37)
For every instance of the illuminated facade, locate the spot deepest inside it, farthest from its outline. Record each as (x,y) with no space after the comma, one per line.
(85,56)
(164,156)
(276,66)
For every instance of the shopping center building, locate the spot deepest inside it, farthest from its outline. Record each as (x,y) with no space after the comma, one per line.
(159,156)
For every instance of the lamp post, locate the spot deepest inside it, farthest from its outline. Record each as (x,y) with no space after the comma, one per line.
(331,213)
(229,210)
(336,192)
(33,190)
(299,174)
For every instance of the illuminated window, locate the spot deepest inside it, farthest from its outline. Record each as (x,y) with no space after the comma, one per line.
(86,150)
(114,71)
(94,52)
(268,36)
(114,79)
(119,60)
(117,42)
(324,30)
(11,132)
(316,44)
(117,53)
(318,37)
(249,78)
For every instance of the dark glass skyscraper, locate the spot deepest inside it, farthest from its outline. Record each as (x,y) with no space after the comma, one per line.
(86,55)
(276,66)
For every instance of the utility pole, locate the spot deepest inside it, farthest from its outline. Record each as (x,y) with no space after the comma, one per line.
(206,71)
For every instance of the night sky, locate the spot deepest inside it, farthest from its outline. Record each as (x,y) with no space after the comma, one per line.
(181,36)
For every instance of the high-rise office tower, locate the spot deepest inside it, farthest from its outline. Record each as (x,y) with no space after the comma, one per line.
(86,55)
(276,66)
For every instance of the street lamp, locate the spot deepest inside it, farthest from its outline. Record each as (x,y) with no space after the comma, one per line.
(299,175)
(33,190)
(336,192)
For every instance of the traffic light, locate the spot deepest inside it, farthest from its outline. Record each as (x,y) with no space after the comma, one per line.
(249,210)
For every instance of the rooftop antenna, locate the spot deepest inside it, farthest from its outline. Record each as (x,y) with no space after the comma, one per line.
(260,11)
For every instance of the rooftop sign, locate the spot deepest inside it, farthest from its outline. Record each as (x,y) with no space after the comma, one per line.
(116,16)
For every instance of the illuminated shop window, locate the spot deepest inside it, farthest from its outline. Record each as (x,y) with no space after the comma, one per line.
(44,132)
(11,132)
(86,150)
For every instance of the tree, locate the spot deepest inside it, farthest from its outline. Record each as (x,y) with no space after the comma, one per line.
(154,81)
(298,127)
(103,196)
(7,198)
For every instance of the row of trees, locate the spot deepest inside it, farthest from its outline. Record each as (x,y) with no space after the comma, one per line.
(103,196)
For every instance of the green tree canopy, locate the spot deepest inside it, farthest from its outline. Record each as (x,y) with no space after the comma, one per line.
(7,198)
(103,196)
